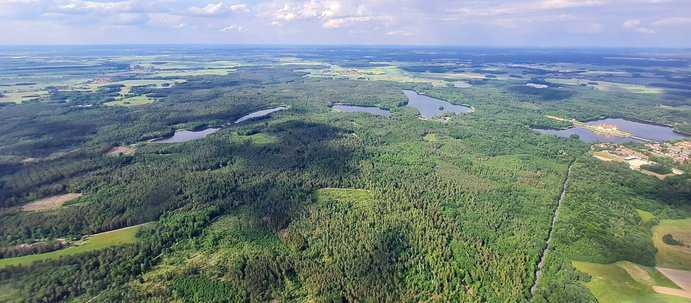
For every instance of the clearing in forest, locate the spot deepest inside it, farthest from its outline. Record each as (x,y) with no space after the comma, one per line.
(50,202)
(121,150)
(90,243)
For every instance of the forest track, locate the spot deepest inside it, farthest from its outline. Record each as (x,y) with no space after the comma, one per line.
(555,216)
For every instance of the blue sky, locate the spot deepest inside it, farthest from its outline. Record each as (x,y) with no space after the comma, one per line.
(524,23)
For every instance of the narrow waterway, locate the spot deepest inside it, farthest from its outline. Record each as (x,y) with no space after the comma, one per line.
(555,215)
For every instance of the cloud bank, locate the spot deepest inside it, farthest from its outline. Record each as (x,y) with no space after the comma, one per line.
(580,23)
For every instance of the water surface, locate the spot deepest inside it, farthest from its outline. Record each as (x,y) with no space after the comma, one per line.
(431,107)
(643,130)
(260,113)
(187,135)
(362,109)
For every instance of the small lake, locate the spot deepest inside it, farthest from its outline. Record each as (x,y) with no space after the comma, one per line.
(361,109)
(187,135)
(260,114)
(431,107)
(643,130)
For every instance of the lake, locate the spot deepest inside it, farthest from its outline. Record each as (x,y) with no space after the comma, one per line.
(187,135)
(431,107)
(643,130)
(361,109)
(260,113)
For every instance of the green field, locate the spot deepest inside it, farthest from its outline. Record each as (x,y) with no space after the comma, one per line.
(94,242)
(646,216)
(626,282)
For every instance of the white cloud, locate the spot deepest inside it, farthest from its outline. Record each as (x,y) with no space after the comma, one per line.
(330,14)
(234,28)
(78,6)
(482,9)
(400,33)
(220,8)
(636,25)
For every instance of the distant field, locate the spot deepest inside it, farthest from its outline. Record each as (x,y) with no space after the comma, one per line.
(387,73)
(609,86)
(94,242)
(191,73)
(21,96)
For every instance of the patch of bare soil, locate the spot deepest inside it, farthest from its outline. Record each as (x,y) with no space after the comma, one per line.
(50,202)
(682,278)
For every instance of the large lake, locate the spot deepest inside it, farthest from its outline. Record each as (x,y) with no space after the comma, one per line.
(260,113)
(361,109)
(431,107)
(186,135)
(643,130)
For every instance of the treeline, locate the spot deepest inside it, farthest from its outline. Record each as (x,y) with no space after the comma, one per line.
(102,274)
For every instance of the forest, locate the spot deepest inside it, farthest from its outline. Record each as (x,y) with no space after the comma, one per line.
(311,204)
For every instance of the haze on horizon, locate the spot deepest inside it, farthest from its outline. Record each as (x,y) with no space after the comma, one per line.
(495,23)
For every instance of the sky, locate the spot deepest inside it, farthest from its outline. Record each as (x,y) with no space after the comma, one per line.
(491,23)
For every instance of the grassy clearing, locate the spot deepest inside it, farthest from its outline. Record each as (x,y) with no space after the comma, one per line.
(626,282)
(673,256)
(50,202)
(121,150)
(258,138)
(646,216)
(94,242)
(131,101)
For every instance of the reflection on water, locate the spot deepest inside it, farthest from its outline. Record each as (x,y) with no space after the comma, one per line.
(643,130)
(431,107)
(186,135)
(362,109)
(260,113)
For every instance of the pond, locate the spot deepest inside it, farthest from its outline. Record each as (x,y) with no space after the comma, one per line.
(642,130)
(187,135)
(260,114)
(361,109)
(431,107)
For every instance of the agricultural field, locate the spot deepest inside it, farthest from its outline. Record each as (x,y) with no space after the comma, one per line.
(627,282)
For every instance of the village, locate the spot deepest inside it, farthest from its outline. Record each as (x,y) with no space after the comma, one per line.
(640,159)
